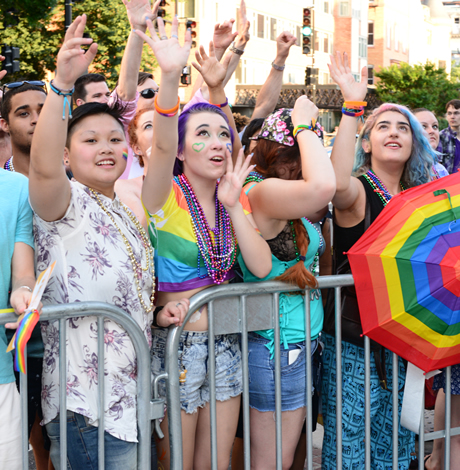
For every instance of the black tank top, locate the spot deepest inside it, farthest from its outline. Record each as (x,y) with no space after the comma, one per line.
(346,237)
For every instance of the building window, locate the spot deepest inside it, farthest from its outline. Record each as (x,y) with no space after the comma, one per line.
(370,33)
(299,36)
(362,51)
(344,9)
(396,38)
(273,29)
(316,39)
(326,6)
(260,26)
(442,64)
(370,74)
(325,78)
(457,20)
(326,43)
(388,36)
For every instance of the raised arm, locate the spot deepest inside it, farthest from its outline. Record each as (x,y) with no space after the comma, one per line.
(281,199)
(349,193)
(270,92)
(138,12)
(213,73)
(49,188)
(171,58)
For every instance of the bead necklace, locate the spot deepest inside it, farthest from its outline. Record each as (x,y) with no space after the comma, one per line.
(255,177)
(9,165)
(220,255)
(378,187)
(137,267)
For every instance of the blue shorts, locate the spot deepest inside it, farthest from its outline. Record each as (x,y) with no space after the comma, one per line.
(193,356)
(293,376)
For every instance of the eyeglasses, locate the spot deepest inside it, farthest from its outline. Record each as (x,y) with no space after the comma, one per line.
(455,113)
(149,93)
(19,84)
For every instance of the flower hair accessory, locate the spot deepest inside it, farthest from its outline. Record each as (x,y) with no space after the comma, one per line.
(278,127)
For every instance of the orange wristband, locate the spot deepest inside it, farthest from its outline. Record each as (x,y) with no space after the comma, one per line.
(167,112)
(351,104)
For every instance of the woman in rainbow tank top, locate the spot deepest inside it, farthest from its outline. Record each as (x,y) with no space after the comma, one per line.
(198,222)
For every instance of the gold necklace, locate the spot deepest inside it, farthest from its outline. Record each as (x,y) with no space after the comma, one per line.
(145,241)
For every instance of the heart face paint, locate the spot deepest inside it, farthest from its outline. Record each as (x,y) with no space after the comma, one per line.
(198,147)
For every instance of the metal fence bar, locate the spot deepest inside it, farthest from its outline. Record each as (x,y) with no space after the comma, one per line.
(395,393)
(245,355)
(101,390)
(338,368)
(448,418)
(367,401)
(62,312)
(308,388)
(212,389)
(63,393)
(24,415)
(278,421)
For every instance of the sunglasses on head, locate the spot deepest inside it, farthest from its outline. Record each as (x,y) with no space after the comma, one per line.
(148,93)
(9,86)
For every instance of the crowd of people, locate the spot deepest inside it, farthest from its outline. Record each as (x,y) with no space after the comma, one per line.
(143,204)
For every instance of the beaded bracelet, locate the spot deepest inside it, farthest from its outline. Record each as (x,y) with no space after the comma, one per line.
(221,105)
(166,112)
(314,127)
(65,94)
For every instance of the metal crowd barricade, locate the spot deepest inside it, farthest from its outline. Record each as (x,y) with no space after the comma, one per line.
(147,409)
(241,308)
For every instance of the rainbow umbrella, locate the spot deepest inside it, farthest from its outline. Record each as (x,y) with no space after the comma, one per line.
(406,269)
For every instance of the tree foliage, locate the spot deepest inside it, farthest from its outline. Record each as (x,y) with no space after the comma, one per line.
(39,41)
(416,86)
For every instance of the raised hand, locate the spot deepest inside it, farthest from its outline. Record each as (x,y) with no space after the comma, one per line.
(341,74)
(243,30)
(284,42)
(139,11)
(170,55)
(304,111)
(72,60)
(231,184)
(212,71)
(223,35)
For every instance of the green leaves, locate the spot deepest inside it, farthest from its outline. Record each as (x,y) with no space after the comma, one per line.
(40,31)
(417,86)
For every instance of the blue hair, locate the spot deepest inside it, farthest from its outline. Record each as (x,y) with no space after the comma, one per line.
(202,107)
(419,168)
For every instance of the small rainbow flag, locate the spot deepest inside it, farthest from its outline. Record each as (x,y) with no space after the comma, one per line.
(25,328)
(125,155)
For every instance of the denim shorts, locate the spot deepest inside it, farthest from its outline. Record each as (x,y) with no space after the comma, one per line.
(193,356)
(293,376)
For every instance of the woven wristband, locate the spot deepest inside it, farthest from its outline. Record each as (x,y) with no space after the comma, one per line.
(65,94)
(221,105)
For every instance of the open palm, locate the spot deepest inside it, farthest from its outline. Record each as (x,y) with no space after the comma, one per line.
(341,74)
(212,71)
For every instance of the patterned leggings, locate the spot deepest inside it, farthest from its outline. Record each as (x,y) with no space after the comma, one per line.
(353,447)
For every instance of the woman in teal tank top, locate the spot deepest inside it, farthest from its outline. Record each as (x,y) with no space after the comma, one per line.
(293,181)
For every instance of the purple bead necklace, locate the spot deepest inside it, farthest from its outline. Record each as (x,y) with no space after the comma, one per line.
(220,255)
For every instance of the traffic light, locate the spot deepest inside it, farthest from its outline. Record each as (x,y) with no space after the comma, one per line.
(192,24)
(307,30)
(161,11)
(186,77)
(10,64)
(308,76)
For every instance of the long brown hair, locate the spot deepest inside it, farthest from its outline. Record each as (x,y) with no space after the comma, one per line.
(273,160)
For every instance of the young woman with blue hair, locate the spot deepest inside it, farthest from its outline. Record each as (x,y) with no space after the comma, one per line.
(392,154)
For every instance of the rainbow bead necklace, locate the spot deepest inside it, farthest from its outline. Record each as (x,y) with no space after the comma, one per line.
(218,256)
(379,188)
(9,165)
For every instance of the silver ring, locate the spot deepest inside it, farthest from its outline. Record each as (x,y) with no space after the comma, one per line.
(164,38)
(174,36)
(177,305)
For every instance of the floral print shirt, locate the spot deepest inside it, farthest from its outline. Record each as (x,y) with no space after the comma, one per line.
(93,264)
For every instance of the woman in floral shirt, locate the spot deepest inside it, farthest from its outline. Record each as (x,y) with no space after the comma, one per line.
(102,253)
